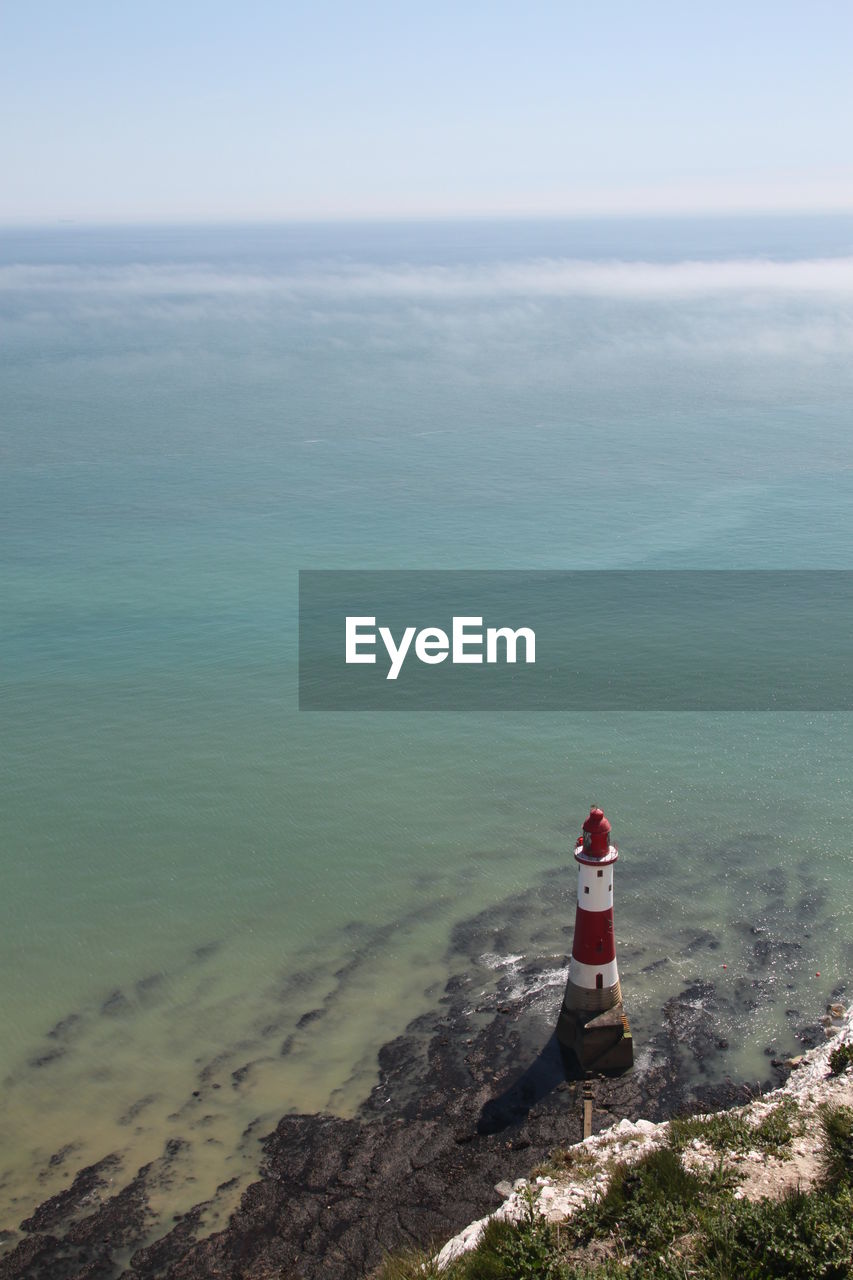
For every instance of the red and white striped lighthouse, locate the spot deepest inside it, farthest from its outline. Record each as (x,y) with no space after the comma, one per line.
(592,1021)
(593,976)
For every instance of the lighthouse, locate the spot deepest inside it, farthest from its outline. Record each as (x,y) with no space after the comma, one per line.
(592,1022)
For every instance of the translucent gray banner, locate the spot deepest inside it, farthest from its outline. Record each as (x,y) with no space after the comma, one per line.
(618,640)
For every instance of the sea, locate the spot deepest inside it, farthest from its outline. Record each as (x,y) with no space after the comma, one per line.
(216,908)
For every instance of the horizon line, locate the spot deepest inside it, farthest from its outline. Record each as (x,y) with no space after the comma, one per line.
(45,222)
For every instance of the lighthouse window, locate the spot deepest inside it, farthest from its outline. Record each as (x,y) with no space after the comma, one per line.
(586,888)
(599,981)
(599,873)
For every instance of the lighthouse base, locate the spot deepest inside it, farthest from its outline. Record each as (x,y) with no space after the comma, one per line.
(601,1042)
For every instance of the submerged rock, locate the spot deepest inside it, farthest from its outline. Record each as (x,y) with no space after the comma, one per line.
(82,1194)
(81,1233)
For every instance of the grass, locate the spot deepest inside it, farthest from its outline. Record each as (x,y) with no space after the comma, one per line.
(840,1059)
(837,1126)
(661,1221)
(404,1264)
(803,1236)
(648,1203)
(577,1163)
(731,1132)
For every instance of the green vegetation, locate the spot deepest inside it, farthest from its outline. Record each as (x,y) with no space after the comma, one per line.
(840,1059)
(577,1163)
(730,1132)
(803,1236)
(404,1264)
(837,1126)
(661,1221)
(654,1201)
(775,1133)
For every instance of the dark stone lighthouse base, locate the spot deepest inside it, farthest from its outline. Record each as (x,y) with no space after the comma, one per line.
(601,1042)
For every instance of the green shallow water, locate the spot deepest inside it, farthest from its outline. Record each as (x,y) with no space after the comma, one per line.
(190,866)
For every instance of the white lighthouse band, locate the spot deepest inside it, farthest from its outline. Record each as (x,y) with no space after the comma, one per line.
(593,977)
(595,887)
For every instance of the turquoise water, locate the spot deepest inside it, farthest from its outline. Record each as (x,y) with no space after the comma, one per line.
(190,417)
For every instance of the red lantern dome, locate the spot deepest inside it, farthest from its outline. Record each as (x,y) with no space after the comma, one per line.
(596,833)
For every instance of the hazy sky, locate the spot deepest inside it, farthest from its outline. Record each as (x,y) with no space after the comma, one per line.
(123,110)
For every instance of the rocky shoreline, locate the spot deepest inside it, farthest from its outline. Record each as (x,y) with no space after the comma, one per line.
(474,1094)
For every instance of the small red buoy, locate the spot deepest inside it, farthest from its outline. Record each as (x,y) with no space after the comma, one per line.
(725,966)
(817,975)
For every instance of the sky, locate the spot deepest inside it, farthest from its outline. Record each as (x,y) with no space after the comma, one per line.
(123,111)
